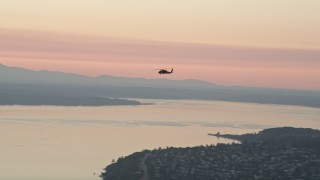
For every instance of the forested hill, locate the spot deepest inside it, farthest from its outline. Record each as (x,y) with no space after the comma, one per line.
(278,153)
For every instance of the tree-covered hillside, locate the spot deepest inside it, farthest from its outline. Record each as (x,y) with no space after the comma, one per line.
(278,153)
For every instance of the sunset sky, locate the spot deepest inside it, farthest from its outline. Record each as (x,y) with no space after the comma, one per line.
(267,43)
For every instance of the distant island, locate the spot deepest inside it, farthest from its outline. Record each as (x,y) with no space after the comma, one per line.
(33,100)
(276,153)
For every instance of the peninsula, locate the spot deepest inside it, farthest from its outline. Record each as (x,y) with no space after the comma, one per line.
(277,153)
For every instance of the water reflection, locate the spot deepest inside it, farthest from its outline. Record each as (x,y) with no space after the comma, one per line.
(46,142)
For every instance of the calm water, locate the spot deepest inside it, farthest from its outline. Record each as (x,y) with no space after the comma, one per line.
(47,142)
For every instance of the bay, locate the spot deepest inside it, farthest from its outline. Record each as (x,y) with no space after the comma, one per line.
(57,142)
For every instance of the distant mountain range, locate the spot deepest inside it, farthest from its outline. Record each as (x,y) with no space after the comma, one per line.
(19,83)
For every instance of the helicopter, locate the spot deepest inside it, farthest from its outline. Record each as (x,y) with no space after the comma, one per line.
(165,71)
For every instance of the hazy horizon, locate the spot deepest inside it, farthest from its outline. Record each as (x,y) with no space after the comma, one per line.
(150,78)
(111,75)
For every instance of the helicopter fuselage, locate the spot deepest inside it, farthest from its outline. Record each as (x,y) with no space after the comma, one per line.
(163,71)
